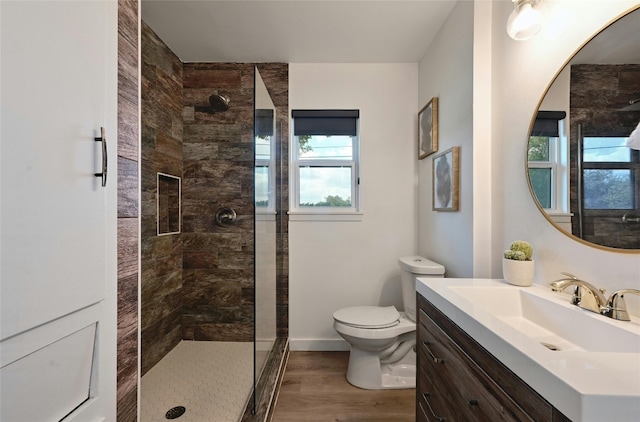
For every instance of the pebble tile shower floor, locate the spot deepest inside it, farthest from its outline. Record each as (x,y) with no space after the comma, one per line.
(212,380)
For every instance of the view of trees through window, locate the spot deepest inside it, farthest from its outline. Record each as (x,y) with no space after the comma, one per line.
(325,170)
(608,189)
(304,146)
(263,162)
(608,173)
(330,201)
(540,169)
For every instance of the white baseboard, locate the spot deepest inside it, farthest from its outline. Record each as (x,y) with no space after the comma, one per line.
(318,345)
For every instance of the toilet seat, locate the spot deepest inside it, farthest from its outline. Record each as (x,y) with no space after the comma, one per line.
(404,325)
(368,316)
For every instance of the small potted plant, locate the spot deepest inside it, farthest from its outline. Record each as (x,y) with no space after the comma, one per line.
(517,264)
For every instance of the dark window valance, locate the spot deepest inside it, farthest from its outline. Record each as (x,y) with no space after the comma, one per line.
(325,122)
(264,122)
(546,123)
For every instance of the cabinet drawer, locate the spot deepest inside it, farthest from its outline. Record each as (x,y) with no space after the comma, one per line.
(421,414)
(438,400)
(424,415)
(478,398)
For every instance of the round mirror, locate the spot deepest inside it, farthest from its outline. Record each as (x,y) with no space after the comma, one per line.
(583,176)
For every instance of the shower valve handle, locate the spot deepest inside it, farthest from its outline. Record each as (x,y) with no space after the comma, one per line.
(226,217)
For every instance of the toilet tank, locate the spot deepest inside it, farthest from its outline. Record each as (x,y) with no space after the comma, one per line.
(412,267)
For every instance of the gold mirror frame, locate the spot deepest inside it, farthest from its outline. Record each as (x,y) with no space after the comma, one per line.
(533,119)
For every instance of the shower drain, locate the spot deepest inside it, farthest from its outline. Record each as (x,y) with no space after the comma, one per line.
(175,412)
(550,346)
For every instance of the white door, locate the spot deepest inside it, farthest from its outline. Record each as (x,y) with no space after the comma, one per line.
(58,88)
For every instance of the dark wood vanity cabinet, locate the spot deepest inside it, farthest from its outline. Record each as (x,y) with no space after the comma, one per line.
(458,380)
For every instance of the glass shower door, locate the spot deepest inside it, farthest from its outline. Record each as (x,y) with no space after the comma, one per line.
(265,230)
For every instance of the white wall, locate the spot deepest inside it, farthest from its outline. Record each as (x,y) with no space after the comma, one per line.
(557,99)
(488,86)
(446,72)
(526,68)
(338,264)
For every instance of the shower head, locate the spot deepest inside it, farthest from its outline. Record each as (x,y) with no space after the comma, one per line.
(219,102)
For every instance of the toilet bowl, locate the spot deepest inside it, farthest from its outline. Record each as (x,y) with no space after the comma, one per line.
(382,339)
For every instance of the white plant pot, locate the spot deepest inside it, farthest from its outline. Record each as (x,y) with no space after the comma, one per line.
(518,273)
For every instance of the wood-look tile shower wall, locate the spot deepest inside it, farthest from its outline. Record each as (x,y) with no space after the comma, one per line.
(218,262)
(211,297)
(218,266)
(128,211)
(161,256)
(597,94)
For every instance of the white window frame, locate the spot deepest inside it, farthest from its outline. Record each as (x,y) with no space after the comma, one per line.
(271,173)
(551,165)
(630,165)
(559,165)
(352,213)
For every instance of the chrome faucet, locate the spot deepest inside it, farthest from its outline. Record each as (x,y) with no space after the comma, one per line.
(585,295)
(616,308)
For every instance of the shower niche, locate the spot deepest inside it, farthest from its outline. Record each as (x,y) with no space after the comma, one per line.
(168,204)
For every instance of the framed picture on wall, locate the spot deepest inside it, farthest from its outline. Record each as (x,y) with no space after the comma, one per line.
(446,180)
(428,129)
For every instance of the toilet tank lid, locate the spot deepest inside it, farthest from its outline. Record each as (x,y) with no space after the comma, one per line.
(419,265)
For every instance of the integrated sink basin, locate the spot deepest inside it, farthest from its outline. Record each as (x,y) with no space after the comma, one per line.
(585,364)
(549,319)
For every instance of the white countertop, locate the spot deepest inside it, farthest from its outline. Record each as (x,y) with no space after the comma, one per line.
(584,385)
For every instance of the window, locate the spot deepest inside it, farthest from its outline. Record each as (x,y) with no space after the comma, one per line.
(324,162)
(264,161)
(547,161)
(543,169)
(610,173)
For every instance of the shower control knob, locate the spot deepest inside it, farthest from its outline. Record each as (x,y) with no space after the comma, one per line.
(226,217)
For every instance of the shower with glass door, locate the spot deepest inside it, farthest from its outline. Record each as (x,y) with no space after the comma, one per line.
(211,241)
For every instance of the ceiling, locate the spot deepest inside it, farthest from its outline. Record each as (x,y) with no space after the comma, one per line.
(618,43)
(297,31)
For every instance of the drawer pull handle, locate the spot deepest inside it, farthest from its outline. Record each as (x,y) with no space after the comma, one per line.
(431,355)
(437,418)
(473,402)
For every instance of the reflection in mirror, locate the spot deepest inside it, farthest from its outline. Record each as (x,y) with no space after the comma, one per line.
(581,172)
(265,230)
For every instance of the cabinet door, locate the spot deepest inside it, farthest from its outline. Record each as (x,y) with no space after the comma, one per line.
(58,224)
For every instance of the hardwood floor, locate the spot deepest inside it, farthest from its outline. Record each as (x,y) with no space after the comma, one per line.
(314,389)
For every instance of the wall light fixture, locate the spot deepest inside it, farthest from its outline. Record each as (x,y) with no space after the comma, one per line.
(526,19)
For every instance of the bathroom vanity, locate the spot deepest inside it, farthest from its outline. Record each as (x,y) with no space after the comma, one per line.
(459,380)
(485,352)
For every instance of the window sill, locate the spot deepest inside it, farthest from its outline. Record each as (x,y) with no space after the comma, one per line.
(558,213)
(559,216)
(266,216)
(307,216)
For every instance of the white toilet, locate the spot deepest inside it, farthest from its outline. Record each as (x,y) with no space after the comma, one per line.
(382,339)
